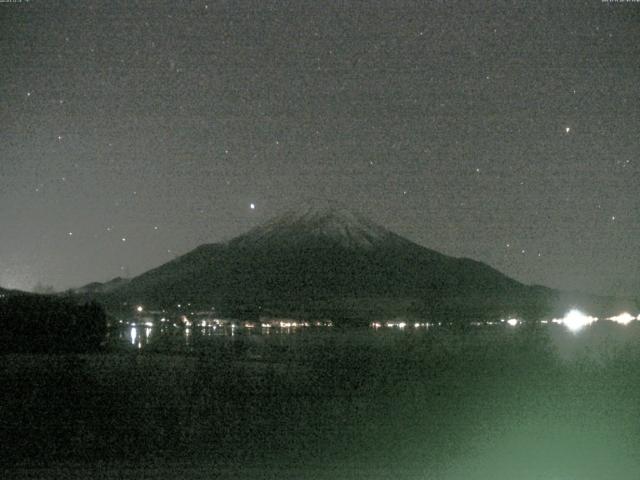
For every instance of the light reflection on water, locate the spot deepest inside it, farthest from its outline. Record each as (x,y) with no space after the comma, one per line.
(140,334)
(142,331)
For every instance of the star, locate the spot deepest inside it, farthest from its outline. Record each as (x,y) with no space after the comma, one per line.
(252,206)
(567,129)
(124,239)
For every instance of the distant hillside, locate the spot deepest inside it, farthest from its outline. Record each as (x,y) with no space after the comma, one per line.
(329,262)
(5,292)
(101,287)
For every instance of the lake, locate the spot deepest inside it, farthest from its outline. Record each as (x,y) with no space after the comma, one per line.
(491,402)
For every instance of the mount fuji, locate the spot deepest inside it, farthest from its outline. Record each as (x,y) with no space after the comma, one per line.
(328,262)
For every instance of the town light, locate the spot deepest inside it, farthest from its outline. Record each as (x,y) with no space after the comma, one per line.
(623,319)
(576,320)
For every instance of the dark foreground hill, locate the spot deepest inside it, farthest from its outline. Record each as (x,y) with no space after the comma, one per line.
(49,324)
(331,263)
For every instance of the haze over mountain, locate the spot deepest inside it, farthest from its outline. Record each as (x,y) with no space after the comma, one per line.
(328,262)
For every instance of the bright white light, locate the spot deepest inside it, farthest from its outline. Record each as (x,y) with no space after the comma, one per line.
(576,320)
(513,322)
(252,206)
(134,334)
(402,325)
(139,308)
(623,318)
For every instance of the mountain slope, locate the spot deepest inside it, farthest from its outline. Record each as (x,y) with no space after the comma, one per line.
(101,287)
(329,262)
(328,223)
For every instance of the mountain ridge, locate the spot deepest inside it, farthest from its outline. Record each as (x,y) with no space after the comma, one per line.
(331,263)
(101,287)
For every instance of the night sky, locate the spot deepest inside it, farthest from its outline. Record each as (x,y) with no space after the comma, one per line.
(131,132)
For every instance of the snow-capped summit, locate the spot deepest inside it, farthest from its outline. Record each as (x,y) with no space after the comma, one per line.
(323,221)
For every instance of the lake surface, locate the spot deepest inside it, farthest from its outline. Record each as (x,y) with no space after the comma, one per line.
(492,402)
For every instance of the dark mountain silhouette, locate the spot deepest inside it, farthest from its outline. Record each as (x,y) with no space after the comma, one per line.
(100,287)
(328,262)
(6,292)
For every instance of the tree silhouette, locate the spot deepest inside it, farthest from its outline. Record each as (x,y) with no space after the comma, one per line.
(39,323)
